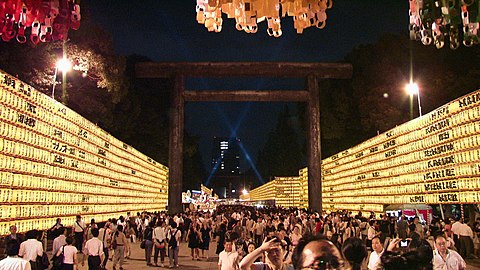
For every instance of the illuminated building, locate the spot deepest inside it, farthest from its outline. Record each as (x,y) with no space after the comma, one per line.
(225,166)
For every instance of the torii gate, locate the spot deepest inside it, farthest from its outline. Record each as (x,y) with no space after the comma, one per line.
(312,72)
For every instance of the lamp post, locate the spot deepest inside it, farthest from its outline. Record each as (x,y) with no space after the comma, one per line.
(64,65)
(412,89)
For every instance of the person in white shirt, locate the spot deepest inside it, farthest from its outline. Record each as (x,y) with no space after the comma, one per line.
(104,235)
(70,255)
(228,259)
(258,230)
(173,233)
(374,259)
(465,237)
(30,249)
(371,233)
(444,258)
(159,236)
(79,229)
(455,227)
(13,262)
(274,251)
(94,250)
(60,240)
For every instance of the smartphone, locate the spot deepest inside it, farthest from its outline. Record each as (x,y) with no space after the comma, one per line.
(404,243)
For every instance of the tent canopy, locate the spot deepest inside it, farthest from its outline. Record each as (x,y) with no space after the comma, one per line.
(396,207)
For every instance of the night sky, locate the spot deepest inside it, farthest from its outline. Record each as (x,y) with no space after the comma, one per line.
(167,31)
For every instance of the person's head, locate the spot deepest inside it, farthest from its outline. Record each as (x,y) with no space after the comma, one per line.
(296,229)
(69,240)
(32,234)
(173,225)
(92,221)
(275,254)
(94,232)
(354,251)
(416,220)
(228,245)
(441,244)
(316,252)
(120,228)
(377,245)
(281,234)
(79,217)
(13,229)
(12,247)
(59,221)
(61,230)
(418,256)
(251,247)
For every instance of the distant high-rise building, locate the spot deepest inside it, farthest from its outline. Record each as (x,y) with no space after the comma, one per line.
(226,166)
(226,156)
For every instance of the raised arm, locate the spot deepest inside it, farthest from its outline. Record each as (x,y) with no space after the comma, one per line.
(248,260)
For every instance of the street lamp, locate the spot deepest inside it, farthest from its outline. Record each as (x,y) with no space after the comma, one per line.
(64,65)
(412,89)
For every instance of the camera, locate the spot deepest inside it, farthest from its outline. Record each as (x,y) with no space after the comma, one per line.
(404,243)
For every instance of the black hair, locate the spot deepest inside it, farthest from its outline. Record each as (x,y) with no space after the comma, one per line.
(12,247)
(354,251)
(69,240)
(379,239)
(94,232)
(32,234)
(297,258)
(119,229)
(419,257)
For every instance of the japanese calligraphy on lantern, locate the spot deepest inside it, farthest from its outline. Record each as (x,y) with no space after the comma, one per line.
(53,162)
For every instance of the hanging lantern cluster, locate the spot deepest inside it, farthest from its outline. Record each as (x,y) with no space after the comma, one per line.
(248,13)
(42,20)
(436,21)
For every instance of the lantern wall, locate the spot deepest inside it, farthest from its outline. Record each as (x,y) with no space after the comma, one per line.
(433,159)
(55,163)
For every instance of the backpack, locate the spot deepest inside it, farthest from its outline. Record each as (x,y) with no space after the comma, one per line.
(58,260)
(114,243)
(172,242)
(43,262)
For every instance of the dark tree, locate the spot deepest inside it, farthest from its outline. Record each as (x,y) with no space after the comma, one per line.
(382,70)
(282,154)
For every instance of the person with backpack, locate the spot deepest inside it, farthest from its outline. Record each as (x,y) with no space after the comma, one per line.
(159,235)
(79,229)
(119,242)
(148,240)
(69,252)
(174,235)
(31,249)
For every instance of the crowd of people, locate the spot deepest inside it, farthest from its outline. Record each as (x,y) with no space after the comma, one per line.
(250,238)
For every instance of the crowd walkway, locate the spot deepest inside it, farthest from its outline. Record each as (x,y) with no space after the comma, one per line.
(137,260)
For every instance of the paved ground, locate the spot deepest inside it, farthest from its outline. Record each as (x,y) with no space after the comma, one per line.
(137,260)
